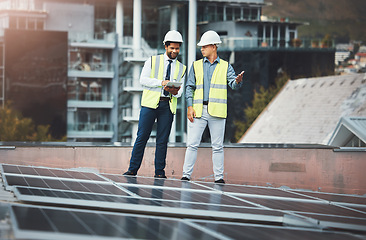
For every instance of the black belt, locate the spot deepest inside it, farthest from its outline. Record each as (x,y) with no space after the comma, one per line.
(164,98)
(205,102)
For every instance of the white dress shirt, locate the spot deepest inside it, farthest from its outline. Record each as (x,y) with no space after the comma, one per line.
(146,80)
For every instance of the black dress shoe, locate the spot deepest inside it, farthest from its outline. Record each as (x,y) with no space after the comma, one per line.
(185,179)
(220,181)
(159,176)
(129,173)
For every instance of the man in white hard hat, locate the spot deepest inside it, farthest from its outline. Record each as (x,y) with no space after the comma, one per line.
(206,96)
(158,102)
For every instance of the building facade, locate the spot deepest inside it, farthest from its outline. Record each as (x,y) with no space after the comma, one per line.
(109,40)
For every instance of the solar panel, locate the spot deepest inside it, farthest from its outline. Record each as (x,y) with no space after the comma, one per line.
(191,196)
(48,172)
(255,231)
(339,198)
(148,205)
(157,182)
(41,222)
(240,190)
(308,207)
(69,184)
(339,222)
(261,211)
(33,222)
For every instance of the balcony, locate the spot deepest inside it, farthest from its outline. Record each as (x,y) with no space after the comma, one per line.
(90,100)
(25,6)
(138,56)
(131,85)
(90,69)
(141,55)
(240,43)
(90,130)
(97,40)
(130,114)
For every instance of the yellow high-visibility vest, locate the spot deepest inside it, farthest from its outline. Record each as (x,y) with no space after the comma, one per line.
(151,95)
(217,102)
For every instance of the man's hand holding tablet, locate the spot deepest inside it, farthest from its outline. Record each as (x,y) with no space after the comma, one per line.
(174,84)
(172,87)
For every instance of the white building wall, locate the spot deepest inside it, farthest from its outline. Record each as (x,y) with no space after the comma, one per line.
(77,19)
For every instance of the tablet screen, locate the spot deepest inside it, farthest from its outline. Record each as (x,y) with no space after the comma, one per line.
(174,84)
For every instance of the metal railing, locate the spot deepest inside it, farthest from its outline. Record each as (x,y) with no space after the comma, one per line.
(81,37)
(89,96)
(235,43)
(130,82)
(145,50)
(90,127)
(19,5)
(90,66)
(130,112)
(143,53)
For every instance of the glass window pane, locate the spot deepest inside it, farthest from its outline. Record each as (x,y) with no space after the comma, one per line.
(237,13)
(31,24)
(229,14)
(21,23)
(246,12)
(220,13)
(40,25)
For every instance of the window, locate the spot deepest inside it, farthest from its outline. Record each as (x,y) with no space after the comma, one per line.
(211,13)
(220,13)
(21,23)
(229,14)
(254,14)
(40,25)
(246,13)
(12,22)
(237,13)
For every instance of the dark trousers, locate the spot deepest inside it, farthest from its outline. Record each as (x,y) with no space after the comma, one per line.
(164,118)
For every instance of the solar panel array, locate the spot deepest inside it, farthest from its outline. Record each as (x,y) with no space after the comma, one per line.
(70,204)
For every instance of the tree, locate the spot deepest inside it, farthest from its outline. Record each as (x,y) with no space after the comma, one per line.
(261,99)
(14,127)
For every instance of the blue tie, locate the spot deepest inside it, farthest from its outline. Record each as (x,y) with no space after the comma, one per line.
(167,77)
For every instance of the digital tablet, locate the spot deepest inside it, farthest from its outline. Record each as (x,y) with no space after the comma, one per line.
(174,84)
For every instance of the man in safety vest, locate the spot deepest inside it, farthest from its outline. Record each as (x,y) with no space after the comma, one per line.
(206,96)
(158,102)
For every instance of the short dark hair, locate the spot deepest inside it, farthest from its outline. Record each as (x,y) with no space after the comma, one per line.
(167,43)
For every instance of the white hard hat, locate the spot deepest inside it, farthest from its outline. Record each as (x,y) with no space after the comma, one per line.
(173,36)
(208,38)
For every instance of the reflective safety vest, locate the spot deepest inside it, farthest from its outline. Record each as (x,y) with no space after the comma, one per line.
(217,102)
(151,95)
